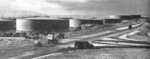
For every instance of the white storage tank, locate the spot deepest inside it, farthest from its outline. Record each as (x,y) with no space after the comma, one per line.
(24,25)
(74,24)
(114,17)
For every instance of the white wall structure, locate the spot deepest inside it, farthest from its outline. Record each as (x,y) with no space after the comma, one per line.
(74,23)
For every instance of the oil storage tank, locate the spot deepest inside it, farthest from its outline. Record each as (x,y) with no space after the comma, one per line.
(114,16)
(126,17)
(7,24)
(24,25)
(92,21)
(89,22)
(74,24)
(42,24)
(136,16)
(112,20)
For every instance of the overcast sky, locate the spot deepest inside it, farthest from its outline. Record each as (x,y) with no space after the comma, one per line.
(73,7)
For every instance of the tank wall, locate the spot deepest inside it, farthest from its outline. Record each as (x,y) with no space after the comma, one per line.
(136,16)
(92,21)
(42,25)
(113,20)
(126,17)
(55,25)
(7,25)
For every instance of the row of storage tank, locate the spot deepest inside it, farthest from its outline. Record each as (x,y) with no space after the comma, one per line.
(58,24)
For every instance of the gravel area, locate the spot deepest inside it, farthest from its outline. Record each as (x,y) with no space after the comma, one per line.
(24,48)
(104,53)
(140,38)
(14,48)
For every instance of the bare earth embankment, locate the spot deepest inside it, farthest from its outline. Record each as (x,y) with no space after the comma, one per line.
(104,53)
(107,53)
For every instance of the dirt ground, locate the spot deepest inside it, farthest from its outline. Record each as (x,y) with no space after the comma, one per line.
(104,53)
(140,38)
(107,53)
(23,48)
(17,48)
(13,48)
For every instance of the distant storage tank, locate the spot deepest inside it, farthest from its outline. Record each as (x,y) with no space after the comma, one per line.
(42,24)
(136,16)
(114,17)
(74,24)
(109,20)
(24,25)
(92,21)
(126,17)
(7,24)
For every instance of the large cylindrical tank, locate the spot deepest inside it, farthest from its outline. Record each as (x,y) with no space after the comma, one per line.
(126,17)
(113,20)
(74,23)
(136,16)
(24,25)
(41,24)
(7,24)
(114,17)
(91,21)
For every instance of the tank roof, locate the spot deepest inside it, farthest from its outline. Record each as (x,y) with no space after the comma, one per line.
(5,20)
(42,18)
(112,18)
(88,19)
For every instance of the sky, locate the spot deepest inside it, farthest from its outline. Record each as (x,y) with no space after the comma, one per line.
(73,7)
